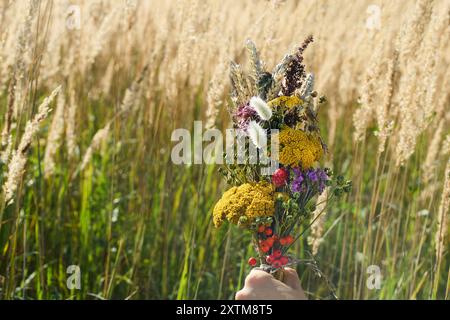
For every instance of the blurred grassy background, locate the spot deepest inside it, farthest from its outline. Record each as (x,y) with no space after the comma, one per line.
(139,226)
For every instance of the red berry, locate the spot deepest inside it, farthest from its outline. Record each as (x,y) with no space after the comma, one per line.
(269,259)
(270,241)
(277,253)
(289,239)
(268,232)
(279,178)
(265,248)
(252,261)
(261,228)
(284,260)
(283,241)
(276,264)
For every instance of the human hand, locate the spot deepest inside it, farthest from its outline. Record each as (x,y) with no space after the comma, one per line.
(260,285)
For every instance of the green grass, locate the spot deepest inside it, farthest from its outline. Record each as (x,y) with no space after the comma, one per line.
(162,244)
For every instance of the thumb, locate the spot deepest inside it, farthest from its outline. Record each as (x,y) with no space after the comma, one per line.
(291,278)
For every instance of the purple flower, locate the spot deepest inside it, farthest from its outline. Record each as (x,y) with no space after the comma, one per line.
(322,178)
(297,171)
(243,115)
(296,185)
(312,175)
(315,178)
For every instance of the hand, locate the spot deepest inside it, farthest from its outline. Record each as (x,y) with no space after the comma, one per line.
(260,285)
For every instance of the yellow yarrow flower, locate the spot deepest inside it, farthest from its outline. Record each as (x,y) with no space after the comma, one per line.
(285,102)
(247,200)
(298,148)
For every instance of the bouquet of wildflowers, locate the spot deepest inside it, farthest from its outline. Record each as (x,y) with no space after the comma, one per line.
(277,112)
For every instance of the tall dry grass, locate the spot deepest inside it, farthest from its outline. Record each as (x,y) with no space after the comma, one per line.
(96,187)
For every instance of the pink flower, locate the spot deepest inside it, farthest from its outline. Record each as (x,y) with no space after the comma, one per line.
(280,176)
(244,114)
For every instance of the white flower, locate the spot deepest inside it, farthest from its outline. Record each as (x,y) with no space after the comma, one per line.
(257,134)
(261,107)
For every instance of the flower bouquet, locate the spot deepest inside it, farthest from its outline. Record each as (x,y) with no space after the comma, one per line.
(276,109)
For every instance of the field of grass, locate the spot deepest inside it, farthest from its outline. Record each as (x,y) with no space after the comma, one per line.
(91,183)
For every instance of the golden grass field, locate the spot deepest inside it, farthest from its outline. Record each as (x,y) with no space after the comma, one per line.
(87,178)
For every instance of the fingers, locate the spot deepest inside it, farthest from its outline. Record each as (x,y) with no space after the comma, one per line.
(291,278)
(261,285)
(256,278)
(257,283)
(242,295)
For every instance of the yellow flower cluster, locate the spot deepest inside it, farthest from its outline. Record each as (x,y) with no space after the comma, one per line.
(298,148)
(247,200)
(287,102)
